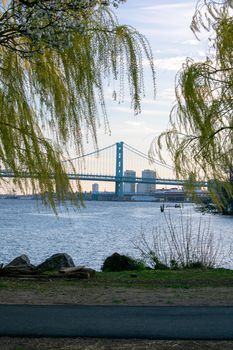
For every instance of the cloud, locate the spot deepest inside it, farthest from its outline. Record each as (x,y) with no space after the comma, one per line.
(133,123)
(191,42)
(170,6)
(175,63)
(152,112)
(168,63)
(123,109)
(166,94)
(145,112)
(130,127)
(165,20)
(171,33)
(201,54)
(148,101)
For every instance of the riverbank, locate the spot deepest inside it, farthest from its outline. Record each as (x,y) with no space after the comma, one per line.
(168,288)
(188,287)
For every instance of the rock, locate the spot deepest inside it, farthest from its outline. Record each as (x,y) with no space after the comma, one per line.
(18,270)
(21,264)
(56,262)
(20,260)
(117,262)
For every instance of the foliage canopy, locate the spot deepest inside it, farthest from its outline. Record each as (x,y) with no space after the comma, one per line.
(201,122)
(54,58)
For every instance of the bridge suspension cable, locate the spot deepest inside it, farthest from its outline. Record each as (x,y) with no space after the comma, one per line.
(103,162)
(117,163)
(89,154)
(145,156)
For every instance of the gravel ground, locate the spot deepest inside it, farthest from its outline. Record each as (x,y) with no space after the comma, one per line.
(58,294)
(108,344)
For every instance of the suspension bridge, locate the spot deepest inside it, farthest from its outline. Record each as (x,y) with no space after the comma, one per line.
(119,163)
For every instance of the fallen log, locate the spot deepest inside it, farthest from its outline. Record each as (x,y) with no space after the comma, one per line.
(71,269)
(78,272)
(78,275)
(15,272)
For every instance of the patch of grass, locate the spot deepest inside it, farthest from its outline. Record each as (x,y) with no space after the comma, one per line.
(15,283)
(118,301)
(158,279)
(4,285)
(166,278)
(177,286)
(142,279)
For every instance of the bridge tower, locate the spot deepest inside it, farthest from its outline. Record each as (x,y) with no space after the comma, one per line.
(119,169)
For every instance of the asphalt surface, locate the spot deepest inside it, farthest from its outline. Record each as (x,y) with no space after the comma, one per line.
(148,322)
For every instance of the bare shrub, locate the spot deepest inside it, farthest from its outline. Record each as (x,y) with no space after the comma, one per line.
(181,246)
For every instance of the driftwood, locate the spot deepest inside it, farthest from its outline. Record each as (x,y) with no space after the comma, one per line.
(79,272)
(15,272)
(79,275)
(38,276)
(71,269)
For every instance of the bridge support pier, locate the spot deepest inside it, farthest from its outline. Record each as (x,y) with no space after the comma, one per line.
(119,169)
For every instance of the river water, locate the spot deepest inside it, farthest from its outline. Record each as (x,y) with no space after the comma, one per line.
(92,233)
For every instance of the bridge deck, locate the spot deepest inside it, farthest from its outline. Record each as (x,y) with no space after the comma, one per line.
(110,178)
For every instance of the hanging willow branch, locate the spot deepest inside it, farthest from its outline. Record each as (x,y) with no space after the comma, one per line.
(201,133)
(52,84)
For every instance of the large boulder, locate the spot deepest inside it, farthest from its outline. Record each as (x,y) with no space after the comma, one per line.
(56,262)
(118,262)
(21,264)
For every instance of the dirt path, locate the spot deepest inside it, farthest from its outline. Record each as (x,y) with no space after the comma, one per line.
(108,344)
(58,294)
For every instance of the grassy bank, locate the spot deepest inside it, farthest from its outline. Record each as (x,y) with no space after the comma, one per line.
(166,279)
(191,278)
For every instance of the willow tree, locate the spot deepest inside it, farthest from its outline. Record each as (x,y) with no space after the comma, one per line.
(55,56)
(201,122)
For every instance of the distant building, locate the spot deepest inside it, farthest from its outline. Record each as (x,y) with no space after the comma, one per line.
(95,188)
(141,188)
(129,187)
(147,188)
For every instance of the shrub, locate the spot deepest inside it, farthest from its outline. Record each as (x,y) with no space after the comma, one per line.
(117,262)
(181,246)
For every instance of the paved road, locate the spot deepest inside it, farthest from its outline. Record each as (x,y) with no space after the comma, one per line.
(151,322)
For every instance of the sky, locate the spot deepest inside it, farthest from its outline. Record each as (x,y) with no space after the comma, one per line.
(166,24)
